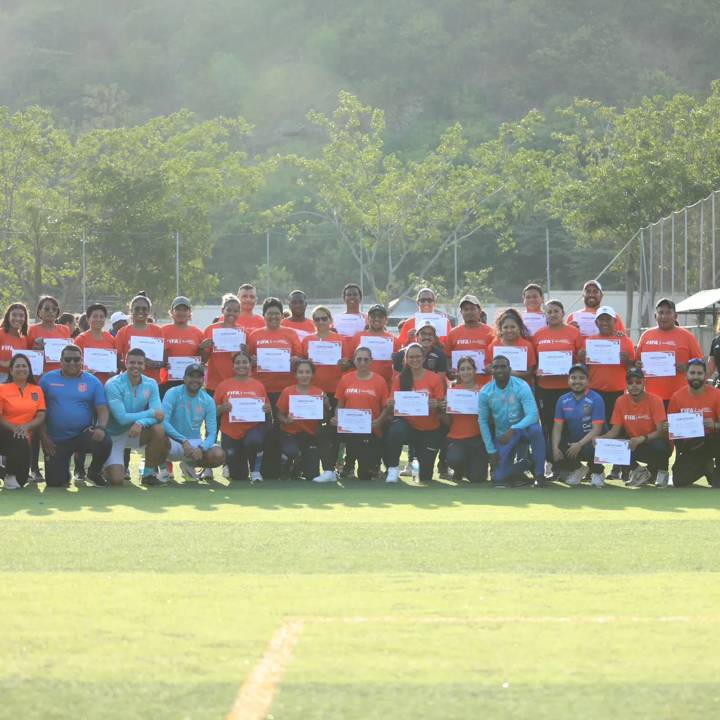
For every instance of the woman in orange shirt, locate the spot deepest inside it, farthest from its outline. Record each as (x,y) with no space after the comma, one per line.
(220,362)
(48,311)
(140,307)
(13,336)
(22,410)
(96,338)
(423,432)
(511,332)
(466,453)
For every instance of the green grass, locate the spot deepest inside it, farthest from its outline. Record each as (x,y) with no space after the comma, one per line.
(559,603)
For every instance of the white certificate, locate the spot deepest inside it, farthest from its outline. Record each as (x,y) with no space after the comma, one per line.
(658,364)
(410,403)
(152,347)
(177,365)
(534,321)
(100,360)
(354,422)
(477,355)
(612,452)
(380,347)
(324,352)
(273,360)
(36,358)
(602,352)
(227,339)
(685,425)
(555,362)
(307,407)
(516,355)
(349,324)
(246,409)
(52,347)
(586,322)
(439,322)
(462,402)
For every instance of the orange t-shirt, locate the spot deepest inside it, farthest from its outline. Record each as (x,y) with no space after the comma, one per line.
(609,378)
(301,329)
(219,364)
(564,338)
(326,376)
(432,384)
(234,388)
(573,317)
(638,418)
(409,325)
(298,426)
(707,403)
(180,341)
(20,407)
(381,367)
(86,340)
(10,344)
(122,343)
(463,426)
(58,332)
(678,340)
(250,322)
(358,394)
(520,342)
(282,339)
(476,339)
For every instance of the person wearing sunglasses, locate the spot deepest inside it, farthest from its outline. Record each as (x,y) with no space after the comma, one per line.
(77,418)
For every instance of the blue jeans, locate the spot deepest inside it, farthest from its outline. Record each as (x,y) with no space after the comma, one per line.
(241,453)
(507,464)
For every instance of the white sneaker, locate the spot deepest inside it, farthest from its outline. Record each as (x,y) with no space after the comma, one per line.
(597,480)
(393,474)
(163,475)
(36,477)
(662,480)
(548,469)
(327,477)
(207,474)
(407,470)
(576,476)
(256,477)
(11,483)
(639,476)
(226,472)
(187,470)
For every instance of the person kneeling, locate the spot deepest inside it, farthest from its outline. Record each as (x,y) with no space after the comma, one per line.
(186,408)
(579,419)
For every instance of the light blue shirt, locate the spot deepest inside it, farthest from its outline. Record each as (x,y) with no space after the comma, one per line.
(130,404)
(185,415)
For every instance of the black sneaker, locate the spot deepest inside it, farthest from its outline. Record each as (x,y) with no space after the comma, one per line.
(539,482)
(97,480)
(150,480)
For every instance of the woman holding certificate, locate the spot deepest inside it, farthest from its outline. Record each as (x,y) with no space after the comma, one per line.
(417,403)
(13,336)
(48,311)
(221,340)
(512,342)
(301,408)
(243,408)
(182,344)
(96,338)
(326,349)
(143,334)
(466,453)
(380,342)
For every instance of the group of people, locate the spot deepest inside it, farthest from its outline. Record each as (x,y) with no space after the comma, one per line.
(279,394)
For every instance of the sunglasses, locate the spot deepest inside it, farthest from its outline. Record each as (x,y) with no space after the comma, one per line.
(72,359)
(423,301)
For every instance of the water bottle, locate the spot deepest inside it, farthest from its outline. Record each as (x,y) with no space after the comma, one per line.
(415,470)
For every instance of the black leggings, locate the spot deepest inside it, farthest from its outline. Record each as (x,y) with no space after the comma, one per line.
(427,444)
(547,400)
(468,458)
(17,455)
(239,454)
(368,451)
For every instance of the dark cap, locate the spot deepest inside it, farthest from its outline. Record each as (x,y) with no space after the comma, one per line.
(194,369)
(377,309)
(579,367)
(635,372)
(697,361)
(180,300)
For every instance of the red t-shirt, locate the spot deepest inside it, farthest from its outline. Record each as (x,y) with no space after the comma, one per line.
(326,376)
(57,332)
(302,329)
(282,339)
(609,378)
(432,384)
(357,394)
(381,367)
(677,340)
(547,339)
(107,342)
(9,345)
(298,426)
(639,418)
(477,339)
(229,388)
(122,343)
(707,403)
(464,426)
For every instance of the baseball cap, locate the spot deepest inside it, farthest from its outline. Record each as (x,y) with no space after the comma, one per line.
(579,367)
(117,317)
(605,310)
(635,372)
(180,300)
(596,283)
(194,369)
(469,299)
(377,309)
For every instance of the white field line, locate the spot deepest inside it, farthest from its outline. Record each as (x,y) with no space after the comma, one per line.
(510,619)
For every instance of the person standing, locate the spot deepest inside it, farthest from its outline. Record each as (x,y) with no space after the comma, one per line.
(117,320)
(303,326)
(181,340)
(246,319)
(353,320)
(377,336)
(219,361)
(533,316)
(97,338)
(426,300)
(140,327)
(473,338)
(13,336)
(510,333)
(593,299)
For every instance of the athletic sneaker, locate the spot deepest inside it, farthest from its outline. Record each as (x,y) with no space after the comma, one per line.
(97,479)
(445,473)
(393,474)
(163,475)
(187,470)
(150,480)
(207,474)
(662,480)
(597,480)
(225,472)
(11,483)
(36,477)
(407,470)
(327,477)
(256,477)
(639,476)
(548,469)
(538,482)
(576,476)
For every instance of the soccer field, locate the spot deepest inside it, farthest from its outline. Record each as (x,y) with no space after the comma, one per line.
(299,602)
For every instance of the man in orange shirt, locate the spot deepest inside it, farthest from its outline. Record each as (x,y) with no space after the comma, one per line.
(640,417)
(584,319)
(472,338)
(697,457)
(426,299)
(303,326)
(669,341)
(246,319)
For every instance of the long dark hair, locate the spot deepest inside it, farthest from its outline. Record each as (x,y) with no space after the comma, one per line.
(516,317)
(31,377)
(6,319)
(406,376)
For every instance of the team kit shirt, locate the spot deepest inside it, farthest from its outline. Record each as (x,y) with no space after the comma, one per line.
(302,329)
(566,338)
(381,367)
(326,376)
(57,332)
(677,340)
(574,317)
(219,363)
(106,342)
(180,341)
(18,405)
(579,415)
(638,418)
(706,403)
(280,339)
(463,427)
(309,427)
(369,394)
(433,385)
(123,342)
(476,339)
(234,388)
(520,342)
(409,325)
(249,323)
(609,378)
(9,345)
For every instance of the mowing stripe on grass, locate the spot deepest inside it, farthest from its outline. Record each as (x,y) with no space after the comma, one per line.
(256,694)
(535,619)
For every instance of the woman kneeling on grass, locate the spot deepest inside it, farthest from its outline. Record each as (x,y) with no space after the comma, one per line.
(242,440)
(302,436)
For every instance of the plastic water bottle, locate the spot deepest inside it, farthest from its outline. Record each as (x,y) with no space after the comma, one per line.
(415,470)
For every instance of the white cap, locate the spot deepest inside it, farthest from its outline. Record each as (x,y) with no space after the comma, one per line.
(596,283)
(605,310)
(117,317)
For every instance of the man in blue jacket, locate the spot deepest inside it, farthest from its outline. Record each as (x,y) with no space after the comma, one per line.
(187,407)
(136,417)
(508,416)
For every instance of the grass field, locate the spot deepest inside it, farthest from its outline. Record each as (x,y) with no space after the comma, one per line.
(400,602)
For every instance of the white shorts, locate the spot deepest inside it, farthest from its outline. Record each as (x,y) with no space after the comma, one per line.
(119,443)
(176,449)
